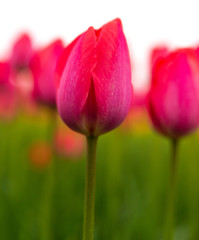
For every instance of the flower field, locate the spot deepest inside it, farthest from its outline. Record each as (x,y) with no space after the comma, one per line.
(46,201)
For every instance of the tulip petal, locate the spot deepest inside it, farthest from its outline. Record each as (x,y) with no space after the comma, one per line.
(62,61)
(22,52)
(158,53)
(43,66)
(112,76)
(76,80)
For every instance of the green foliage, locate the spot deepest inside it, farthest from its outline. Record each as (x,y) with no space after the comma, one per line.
(131,188)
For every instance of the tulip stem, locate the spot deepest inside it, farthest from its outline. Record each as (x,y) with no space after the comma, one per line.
(169,227)
(89,204)
(46,201)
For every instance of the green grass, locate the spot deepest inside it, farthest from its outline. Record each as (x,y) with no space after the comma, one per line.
(131,189)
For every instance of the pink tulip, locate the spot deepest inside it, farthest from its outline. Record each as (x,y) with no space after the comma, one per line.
(4,73)
(173,100)
(20,74)
(69,144)
(157,53)
(22,53)
(7,94)
(93,80)
(43,67)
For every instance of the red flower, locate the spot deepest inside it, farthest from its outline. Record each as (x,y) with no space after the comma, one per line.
(43,67)
(7,93)
(22,53)
(94,80)
(173,100)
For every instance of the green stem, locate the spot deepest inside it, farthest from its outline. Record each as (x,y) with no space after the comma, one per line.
(169,227)
(89,204)
(46,212)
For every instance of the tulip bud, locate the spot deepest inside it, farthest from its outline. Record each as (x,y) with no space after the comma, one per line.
(22,53)
(93,80)
(7,93)
(157,53)
(173,100)
(43,68)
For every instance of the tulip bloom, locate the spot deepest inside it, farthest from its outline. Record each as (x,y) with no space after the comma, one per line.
(173,104)
(94,80)
(43,68)
(173,100)
(22,53)
(7,93)
(158,53)
(94,91)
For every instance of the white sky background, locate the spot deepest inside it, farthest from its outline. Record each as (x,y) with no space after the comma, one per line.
(145,22)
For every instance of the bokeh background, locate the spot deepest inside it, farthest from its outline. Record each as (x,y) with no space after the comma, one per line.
(42,162)
(146,23)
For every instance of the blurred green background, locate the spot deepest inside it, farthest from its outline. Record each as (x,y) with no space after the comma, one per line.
(46,203)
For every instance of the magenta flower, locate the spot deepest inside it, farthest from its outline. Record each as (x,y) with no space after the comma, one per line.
(43,68)
(173,100)
(20,75)
(93,80)
(173,105)
(94,91)
(7,93)
(157,53)
(22,53)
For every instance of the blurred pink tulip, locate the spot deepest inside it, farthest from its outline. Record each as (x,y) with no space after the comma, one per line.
(173,100)
(20,73)
(69,144)
(158,53)
(43,68)
(139,100)
(7,93)
(93,80)
(4,73)
(22,53)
